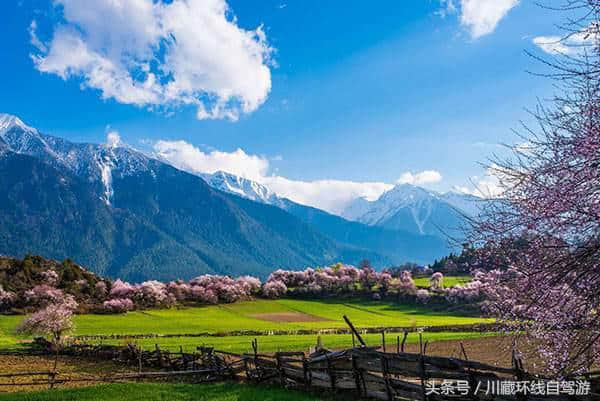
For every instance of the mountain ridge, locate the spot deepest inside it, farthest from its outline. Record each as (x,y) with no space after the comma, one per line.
(125,214)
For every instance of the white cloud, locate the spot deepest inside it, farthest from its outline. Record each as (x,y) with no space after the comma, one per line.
(487,186)
(152,53)
(569,45)
(330,195)
(422,178)
(33,39)
(480,17)
(186,156)
(327,194)
(551,44)
(113,139)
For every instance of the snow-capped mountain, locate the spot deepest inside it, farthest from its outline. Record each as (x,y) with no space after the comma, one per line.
(415,209)
(405,207)
(93,162)
(125,214)
(243,187)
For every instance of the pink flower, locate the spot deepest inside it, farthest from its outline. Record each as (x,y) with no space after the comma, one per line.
(436,281)
(423,295)
(6,297)
(53,320)
(274,289)
(50,277)
(121,289)
(118,305)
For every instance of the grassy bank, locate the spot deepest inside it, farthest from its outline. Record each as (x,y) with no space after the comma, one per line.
(166,392)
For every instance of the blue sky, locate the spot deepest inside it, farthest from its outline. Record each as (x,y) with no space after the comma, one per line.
(345,97)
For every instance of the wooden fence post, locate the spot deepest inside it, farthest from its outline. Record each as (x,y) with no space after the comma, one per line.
(305,372)
(472,384)
(357,375)
(255,349)
(422,367)
(280,369)
(330,372)
(386,377)
(519,372)
(403,341)
(358,337)
(383,340)
(159,356)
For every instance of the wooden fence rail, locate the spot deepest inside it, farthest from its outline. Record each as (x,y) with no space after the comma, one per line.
(362,370)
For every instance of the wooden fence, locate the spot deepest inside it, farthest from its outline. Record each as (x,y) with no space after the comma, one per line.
(362,371)
(391,376)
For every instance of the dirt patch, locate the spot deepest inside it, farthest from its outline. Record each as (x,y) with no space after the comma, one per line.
(495,351)
(289,317)
(68,368)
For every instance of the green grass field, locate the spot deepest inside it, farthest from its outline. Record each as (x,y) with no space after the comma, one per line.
(224,319)
(449,281)
(167,392)
(246,316)
(269,344)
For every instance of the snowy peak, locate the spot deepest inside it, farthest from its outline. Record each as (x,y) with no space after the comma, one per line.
(417,200)
(415,209)
(356,209)
(19,137)
(240,186)
(8,122)
(93,162)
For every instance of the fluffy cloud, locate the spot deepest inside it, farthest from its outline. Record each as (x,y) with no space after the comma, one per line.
(330,195)
(487,186)
(571,44)
(186,156)
(480,17)
(113,139)
(422,178)
(160,54)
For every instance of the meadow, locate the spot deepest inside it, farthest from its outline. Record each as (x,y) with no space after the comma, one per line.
(265,316)
(449,281)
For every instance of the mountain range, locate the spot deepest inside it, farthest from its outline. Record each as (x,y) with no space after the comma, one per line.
(417,210)
(123,213)
(405,208)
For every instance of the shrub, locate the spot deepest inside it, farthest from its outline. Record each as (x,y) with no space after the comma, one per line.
(274,289)
(118,305)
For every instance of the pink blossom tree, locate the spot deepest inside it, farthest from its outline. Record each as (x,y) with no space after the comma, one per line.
(121,289)
(43,294)
(53,321)
(436,281)
(274,289)
(118,305)
(541,238)
(6,298)
(423,296)
(50,277)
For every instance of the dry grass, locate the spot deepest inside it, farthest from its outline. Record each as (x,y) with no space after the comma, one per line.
(69,366)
